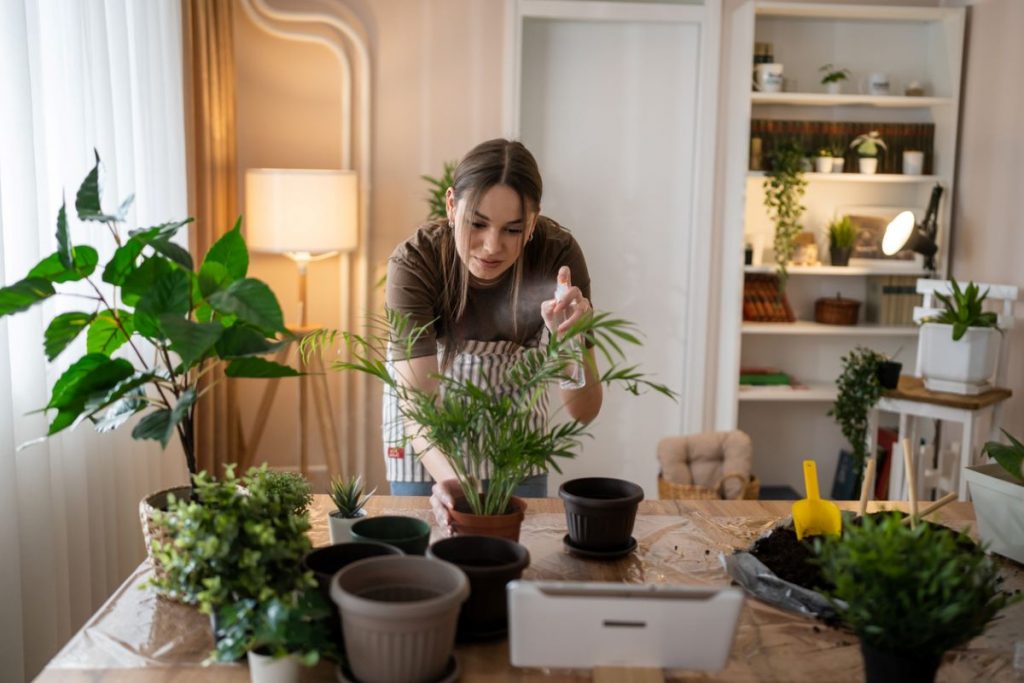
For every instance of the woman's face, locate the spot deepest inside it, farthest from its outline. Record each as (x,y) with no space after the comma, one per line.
(496,232)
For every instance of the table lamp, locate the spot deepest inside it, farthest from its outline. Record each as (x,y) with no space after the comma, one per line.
(903,232)
(306,214)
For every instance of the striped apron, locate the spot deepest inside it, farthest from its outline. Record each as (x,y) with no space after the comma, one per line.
(484,364)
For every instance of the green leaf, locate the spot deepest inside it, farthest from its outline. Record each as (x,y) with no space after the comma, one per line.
(122,264)
(90,373)
(63,243)
(241,340)
(83,263)
(258,367)
(141,280)
(230,252)
(168,295)
(87,201)
(121,410)
(63,330)
(213,277)
(159,233)
(191,341)
(63,420)
(253,302)
(159,425)
(24,294)
(105,335)
(175,252)
(122,211)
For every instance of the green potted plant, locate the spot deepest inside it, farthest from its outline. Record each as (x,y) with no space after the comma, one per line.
(910,594)
(838,157)
(997,490)
(832,78)
(960,346)
(823,160)
(349,499)
(438,187)
(867,146)
(858,392)
(471,425)
(784,186)
(842,237)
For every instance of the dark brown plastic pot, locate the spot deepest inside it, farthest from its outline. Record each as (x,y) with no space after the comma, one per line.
(489,563)
(888,667)
(600,511)
(840,256)
(888,373)
(328,561)
(465,523)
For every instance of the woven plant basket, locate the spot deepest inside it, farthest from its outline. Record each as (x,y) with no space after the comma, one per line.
(836,311)
(669,490)
(154,532)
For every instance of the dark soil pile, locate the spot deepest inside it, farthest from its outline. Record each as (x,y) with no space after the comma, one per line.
(789,558)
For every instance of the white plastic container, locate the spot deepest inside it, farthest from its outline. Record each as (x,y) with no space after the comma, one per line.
(577,378)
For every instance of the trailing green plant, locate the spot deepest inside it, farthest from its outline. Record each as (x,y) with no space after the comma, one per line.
(148,296)
(858,392)
(235,538)
(438,187)
(784,186)
(868,144)
(1010,457)
(833,74)
(915,591)
(964,309)
(471,424)
(296,623)
(841,233)
(347,495)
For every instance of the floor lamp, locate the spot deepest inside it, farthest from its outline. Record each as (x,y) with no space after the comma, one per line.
(307,215)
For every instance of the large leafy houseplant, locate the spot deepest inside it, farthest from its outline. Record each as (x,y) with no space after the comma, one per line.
(471,424)
(858,392)
(784,186)
(149,303)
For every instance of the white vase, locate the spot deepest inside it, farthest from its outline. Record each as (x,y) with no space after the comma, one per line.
(822,164)
(999,507)
(266,669)
(867,165)
(837,164)
(964,366)
(340,528)
(834,87)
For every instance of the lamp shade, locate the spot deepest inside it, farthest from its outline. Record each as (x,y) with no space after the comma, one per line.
(904,233)
(301,210)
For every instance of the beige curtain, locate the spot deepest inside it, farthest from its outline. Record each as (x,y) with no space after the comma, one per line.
(213,193)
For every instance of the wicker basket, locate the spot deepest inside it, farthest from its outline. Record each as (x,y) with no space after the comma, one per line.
(154,532)
(837,311)
(668,490)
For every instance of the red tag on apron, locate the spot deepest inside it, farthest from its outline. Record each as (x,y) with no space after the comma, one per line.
(396,452)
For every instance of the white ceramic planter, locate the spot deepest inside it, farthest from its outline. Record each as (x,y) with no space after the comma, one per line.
(867,165)
(837,164)
(340,528)
(999,509)
(822,164)
(834,87)
(266,669)
(961,367)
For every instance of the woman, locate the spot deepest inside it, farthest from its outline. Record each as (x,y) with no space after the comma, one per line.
(482,281)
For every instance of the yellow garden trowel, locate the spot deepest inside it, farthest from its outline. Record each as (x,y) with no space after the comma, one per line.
(813,516)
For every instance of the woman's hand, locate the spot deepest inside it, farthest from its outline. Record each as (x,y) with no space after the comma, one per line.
(442,500)
(572,305)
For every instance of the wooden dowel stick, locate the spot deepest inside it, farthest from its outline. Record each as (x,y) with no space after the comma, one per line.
(948,498)
(865,487)
(908,466)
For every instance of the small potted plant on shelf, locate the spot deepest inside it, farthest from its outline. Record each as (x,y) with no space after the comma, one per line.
(349,499)
(868,146)
(838,157)
(832,78)
(842,237)
(910,594)
(997,490)
(823,161)
(472,426)
(784,187)
(858,392)
(959,347)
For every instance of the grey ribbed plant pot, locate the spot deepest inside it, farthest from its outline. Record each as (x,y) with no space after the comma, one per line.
(399,616)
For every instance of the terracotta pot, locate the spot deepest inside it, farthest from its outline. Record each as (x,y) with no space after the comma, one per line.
(409,534)
(489,563)
(465,523)
(600,511)
(399,616)
(887,667)
(150,531)
(340,528)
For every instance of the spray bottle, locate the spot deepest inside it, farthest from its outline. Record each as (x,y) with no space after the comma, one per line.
(576,378)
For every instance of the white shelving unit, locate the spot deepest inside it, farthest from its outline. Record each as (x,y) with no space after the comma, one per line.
(908,43)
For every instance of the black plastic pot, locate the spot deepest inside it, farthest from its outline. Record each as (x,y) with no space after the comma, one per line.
(840,256)
(410,534)
(600,511)
(489,563)
(888,667)
(328,561)
(888,373)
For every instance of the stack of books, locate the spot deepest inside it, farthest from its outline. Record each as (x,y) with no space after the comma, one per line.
(891,299)
(762,302)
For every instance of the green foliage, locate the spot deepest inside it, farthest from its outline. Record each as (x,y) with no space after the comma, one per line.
(784,186)
(438,188)
(963,309)
(833,74)
(193,321)
(471,424)
(296,623)
(841,233)
(868,144)
(918,591)
(348,496)
(1011,457)
(859,391)
(235,539)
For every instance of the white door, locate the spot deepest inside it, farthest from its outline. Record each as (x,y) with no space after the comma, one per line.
(617,103)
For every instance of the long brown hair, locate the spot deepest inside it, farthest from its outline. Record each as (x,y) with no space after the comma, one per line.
(495,162)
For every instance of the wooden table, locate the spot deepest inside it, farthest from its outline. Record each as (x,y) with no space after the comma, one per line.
(136,636)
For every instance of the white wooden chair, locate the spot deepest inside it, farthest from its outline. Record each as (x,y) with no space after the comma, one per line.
(911,400)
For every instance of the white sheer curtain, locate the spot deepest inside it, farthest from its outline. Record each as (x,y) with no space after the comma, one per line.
(75,75)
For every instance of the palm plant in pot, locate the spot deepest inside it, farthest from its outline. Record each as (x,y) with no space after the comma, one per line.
(868,146)
(997,490)
(349,499)
(960,346)
(471,425)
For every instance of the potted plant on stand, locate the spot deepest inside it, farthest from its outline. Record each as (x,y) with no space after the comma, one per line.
(867,146)
(997,490)
(349,499)
(858,392)
(842,237)
(959,347)
(910,594)
(784,186)
(832,78)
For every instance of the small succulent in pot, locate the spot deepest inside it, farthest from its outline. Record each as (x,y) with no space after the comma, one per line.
(963,309)
(349,498)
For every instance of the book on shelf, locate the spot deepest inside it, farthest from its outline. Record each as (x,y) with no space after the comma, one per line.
(762,301)
(891,299)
